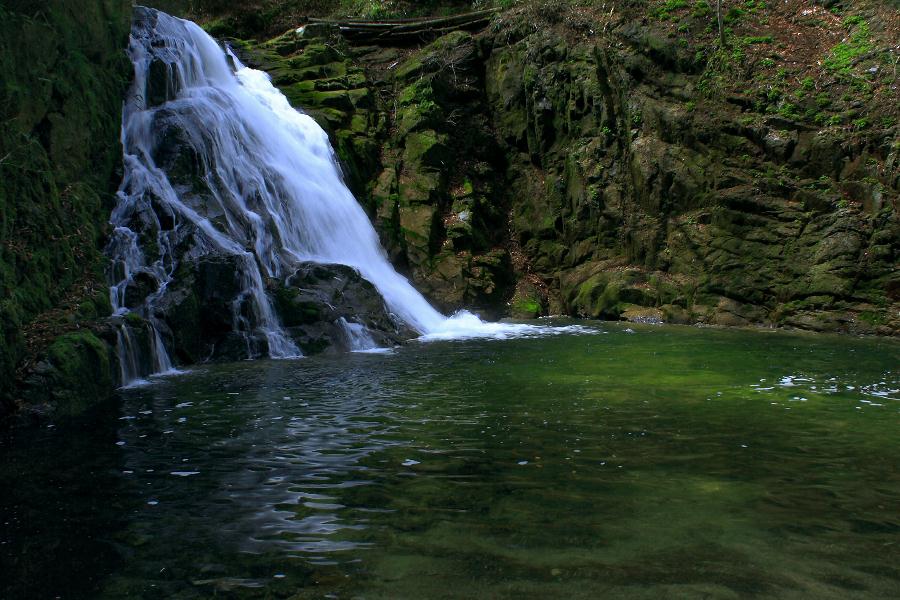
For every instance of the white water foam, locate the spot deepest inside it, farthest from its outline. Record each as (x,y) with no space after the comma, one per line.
(465,325)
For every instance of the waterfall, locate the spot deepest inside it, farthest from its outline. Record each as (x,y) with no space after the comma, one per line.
(270,195)
(358,339)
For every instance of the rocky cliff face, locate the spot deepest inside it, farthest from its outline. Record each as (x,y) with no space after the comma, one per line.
(63,75)
(608,168)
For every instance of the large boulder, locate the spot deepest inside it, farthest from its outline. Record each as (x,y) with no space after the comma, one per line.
(323,305)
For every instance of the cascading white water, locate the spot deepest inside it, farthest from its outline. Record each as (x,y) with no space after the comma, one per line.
(200,90)
(276,196)
(358,339)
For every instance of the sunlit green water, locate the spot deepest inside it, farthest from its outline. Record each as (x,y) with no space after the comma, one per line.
(661,463)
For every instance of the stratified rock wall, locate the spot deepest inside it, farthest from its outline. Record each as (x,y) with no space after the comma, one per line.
(637,193)
(531,170)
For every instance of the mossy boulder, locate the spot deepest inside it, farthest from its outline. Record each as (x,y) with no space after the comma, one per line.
(318,301)
(198,312)
(528,302)
(78,372)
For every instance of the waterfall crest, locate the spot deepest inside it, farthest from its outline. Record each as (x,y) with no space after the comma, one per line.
(218,164)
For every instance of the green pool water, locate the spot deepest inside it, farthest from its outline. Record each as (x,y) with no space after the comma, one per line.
(622,462)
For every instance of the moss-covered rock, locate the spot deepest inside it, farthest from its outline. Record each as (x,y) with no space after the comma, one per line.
(623,197)
(318,302)
(78,372)
(63,74)
(527,302)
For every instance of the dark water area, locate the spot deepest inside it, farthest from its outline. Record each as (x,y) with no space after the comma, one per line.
(629,462)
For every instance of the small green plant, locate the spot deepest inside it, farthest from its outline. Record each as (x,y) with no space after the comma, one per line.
(871,318)
(788,110)
(664,12)
(701,9)
(734,15)
(861,123)
(690,105)
(841,58)
(823,100)
(758,39)
(808,84)
(767,62)
(863,87)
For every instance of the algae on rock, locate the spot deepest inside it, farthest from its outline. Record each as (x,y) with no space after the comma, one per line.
(63,74)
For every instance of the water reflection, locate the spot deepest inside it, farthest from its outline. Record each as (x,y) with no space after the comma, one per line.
(60,505)
(667,461)
(282,440)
